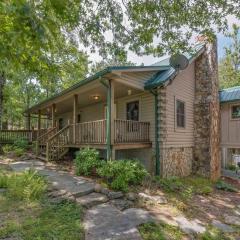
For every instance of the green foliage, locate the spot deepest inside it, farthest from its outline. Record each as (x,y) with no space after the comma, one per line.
(122,173)
(42,221)
(221,185)
(186,187)
(161,231)
(86,161)
(232,167)
(21,143)
(214,234)
(7,148)
(3,179)
(229,71)
(27,186)
(18,151)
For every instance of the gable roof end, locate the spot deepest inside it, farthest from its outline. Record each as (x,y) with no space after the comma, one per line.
(161,77)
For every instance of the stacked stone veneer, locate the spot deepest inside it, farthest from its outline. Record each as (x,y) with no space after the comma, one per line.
(175,161)
(207,115)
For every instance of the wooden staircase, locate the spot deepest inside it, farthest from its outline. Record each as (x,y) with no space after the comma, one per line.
(56,146)
(50,145)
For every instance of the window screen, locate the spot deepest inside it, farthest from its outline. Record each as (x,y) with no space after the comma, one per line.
(180,113)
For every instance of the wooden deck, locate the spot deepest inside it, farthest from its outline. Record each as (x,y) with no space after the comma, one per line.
(126,135)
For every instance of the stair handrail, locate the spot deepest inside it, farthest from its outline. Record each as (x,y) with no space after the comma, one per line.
(51,147)
(46,133)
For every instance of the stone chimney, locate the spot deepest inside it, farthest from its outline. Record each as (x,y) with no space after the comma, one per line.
(207,160)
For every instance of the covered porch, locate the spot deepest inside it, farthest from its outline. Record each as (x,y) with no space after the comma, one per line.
(93,116)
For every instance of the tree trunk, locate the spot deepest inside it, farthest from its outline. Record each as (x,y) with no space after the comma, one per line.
(2,84)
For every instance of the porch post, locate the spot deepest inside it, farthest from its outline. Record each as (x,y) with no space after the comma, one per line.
(110,120)
(112,85)
(28,121)
(53,115)
(39,122)
(75,101)
(38,132)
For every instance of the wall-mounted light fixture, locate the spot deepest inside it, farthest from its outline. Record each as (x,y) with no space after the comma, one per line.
(96,97)
(129,92)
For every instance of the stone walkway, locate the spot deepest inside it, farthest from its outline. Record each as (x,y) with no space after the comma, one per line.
(110,215)
(103,220)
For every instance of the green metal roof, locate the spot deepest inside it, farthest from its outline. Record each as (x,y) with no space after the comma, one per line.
(164,75)
(229,94)
(90,79)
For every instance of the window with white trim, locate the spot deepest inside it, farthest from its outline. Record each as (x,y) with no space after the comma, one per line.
(236,111)
(180,114)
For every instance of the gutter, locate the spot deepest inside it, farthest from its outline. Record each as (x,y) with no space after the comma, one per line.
(157,129)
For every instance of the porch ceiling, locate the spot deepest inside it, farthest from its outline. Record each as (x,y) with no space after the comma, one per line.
(86,97)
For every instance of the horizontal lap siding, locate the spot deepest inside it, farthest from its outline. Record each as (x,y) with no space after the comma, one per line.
(182,88)
(90,113)
(146,114)
(230,129)
(136,79)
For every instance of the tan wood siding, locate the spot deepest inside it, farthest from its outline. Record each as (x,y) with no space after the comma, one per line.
(182,88)
(135,79)
(146,110)
(230,129)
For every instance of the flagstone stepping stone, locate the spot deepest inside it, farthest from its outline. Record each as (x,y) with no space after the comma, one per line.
(189,226)
(121,204)
(75,186)
(222,227)
(106,222)
(92,199)
(234,220)
(156,199)
(114,195)
(26,165)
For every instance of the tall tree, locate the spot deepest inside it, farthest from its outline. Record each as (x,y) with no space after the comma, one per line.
(229,66)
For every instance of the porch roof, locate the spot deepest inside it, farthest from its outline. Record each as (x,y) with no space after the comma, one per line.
(98,75)
(230,94)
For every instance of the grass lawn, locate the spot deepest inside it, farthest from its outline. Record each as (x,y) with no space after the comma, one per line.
(37,218)
(161,231)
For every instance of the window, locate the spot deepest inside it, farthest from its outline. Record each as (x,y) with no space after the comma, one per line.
(236,112)
(180,114)
(133,111)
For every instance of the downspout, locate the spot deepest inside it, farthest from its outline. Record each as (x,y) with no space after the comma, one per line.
(157,129)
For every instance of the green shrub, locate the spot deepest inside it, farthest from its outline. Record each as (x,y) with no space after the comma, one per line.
(26,186)
(231,167)
(86,161)
(18,151)
(122,173)
(21,143)
(221,185)
(3,179)
(7,148)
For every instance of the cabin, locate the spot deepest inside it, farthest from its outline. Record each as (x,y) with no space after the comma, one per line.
(157,114)
(230,125)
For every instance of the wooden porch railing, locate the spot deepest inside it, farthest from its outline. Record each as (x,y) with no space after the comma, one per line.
(94,132)
(9,136)
(128,131)
(56,144)
(42,139)
(91,132)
